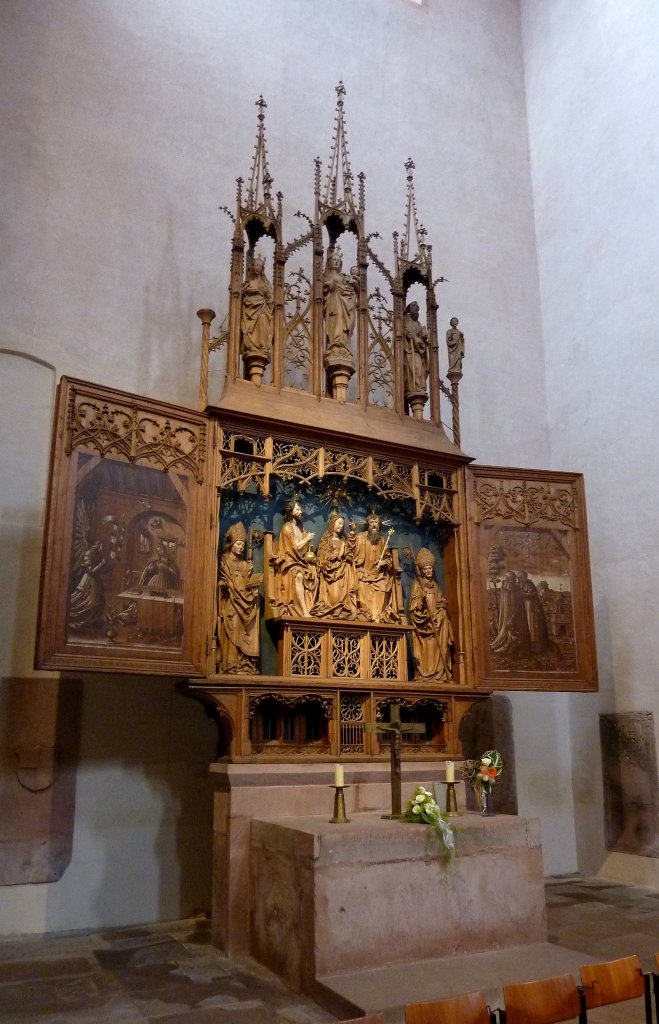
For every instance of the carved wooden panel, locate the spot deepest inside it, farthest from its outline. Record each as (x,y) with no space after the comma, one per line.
(530,580)
(129,541)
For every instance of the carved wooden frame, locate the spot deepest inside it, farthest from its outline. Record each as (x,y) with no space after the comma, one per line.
(147,449)
(537,519)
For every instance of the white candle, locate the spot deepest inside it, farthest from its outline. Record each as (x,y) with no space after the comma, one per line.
(338,774)
(450,771)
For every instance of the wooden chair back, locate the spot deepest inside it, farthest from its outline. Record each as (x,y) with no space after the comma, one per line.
(469,1009)
(371,1018)
(543,1002)
(615,980)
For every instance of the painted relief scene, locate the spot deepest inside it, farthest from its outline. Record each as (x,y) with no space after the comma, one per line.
(127,555)
(313,586)
(529,600)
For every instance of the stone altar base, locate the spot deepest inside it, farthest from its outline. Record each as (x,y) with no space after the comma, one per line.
(246,791)
(331,898)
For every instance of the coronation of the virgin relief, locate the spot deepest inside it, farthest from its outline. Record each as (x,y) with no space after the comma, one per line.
(311,546)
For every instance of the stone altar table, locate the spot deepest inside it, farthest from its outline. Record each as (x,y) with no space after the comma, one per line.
(330,898)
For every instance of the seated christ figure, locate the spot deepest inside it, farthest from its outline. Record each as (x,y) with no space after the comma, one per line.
(296,577)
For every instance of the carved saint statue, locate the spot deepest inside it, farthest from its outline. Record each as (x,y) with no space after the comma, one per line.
(432,640)
(375,573)
(416,358)
(455,342)
(238,606)
(339,307)
(337,584)
(256,320)
(296,578)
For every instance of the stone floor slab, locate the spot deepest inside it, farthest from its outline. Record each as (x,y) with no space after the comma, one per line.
(170,974)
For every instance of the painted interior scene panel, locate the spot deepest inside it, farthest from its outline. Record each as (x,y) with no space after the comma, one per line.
(128,555)
(124,571)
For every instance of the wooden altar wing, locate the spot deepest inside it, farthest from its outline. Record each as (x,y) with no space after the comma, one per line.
(530,586)
(129,543)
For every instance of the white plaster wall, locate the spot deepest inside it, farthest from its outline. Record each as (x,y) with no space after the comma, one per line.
(593,107)
(126,124)
(143,818)
(124,127)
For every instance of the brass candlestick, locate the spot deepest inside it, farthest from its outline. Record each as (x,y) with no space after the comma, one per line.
(339,807)
(451,801)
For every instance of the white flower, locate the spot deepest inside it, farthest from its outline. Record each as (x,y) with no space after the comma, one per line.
(416,809)
(487,761)
(419,798)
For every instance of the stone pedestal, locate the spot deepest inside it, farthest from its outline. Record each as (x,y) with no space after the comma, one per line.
(329,898)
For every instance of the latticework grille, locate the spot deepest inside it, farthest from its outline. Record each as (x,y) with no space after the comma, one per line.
(384,657)
(305,653)
(346,651)
(352,724)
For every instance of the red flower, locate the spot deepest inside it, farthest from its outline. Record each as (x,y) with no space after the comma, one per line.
(492,772)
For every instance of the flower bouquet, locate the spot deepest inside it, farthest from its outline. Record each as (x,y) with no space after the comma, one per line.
(482,775)
(423,809)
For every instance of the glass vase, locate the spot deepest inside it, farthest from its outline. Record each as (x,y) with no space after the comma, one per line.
(487,811)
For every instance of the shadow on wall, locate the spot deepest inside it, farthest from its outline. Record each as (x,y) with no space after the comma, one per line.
(144,827)
(488,725)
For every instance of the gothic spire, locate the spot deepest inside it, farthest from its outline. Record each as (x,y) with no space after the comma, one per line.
(338,189)
(413,247)
(259,189)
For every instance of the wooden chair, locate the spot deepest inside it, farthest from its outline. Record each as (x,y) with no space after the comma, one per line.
(372,1018)
(543,1002)
(655,986)
(615,981)
(470,1009)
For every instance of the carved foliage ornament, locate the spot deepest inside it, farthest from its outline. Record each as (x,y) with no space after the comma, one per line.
(245,462)
(291,701)
(113,428)
(526,503)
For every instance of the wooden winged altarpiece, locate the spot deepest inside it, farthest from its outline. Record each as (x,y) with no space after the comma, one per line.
(311,547)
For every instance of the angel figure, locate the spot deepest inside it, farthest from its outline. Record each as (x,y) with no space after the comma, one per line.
(93,560)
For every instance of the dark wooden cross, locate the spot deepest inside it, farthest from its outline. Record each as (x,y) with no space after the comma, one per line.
(394,729)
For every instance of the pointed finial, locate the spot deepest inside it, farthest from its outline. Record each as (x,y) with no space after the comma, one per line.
(414,234)
(259,191)
(338,188)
